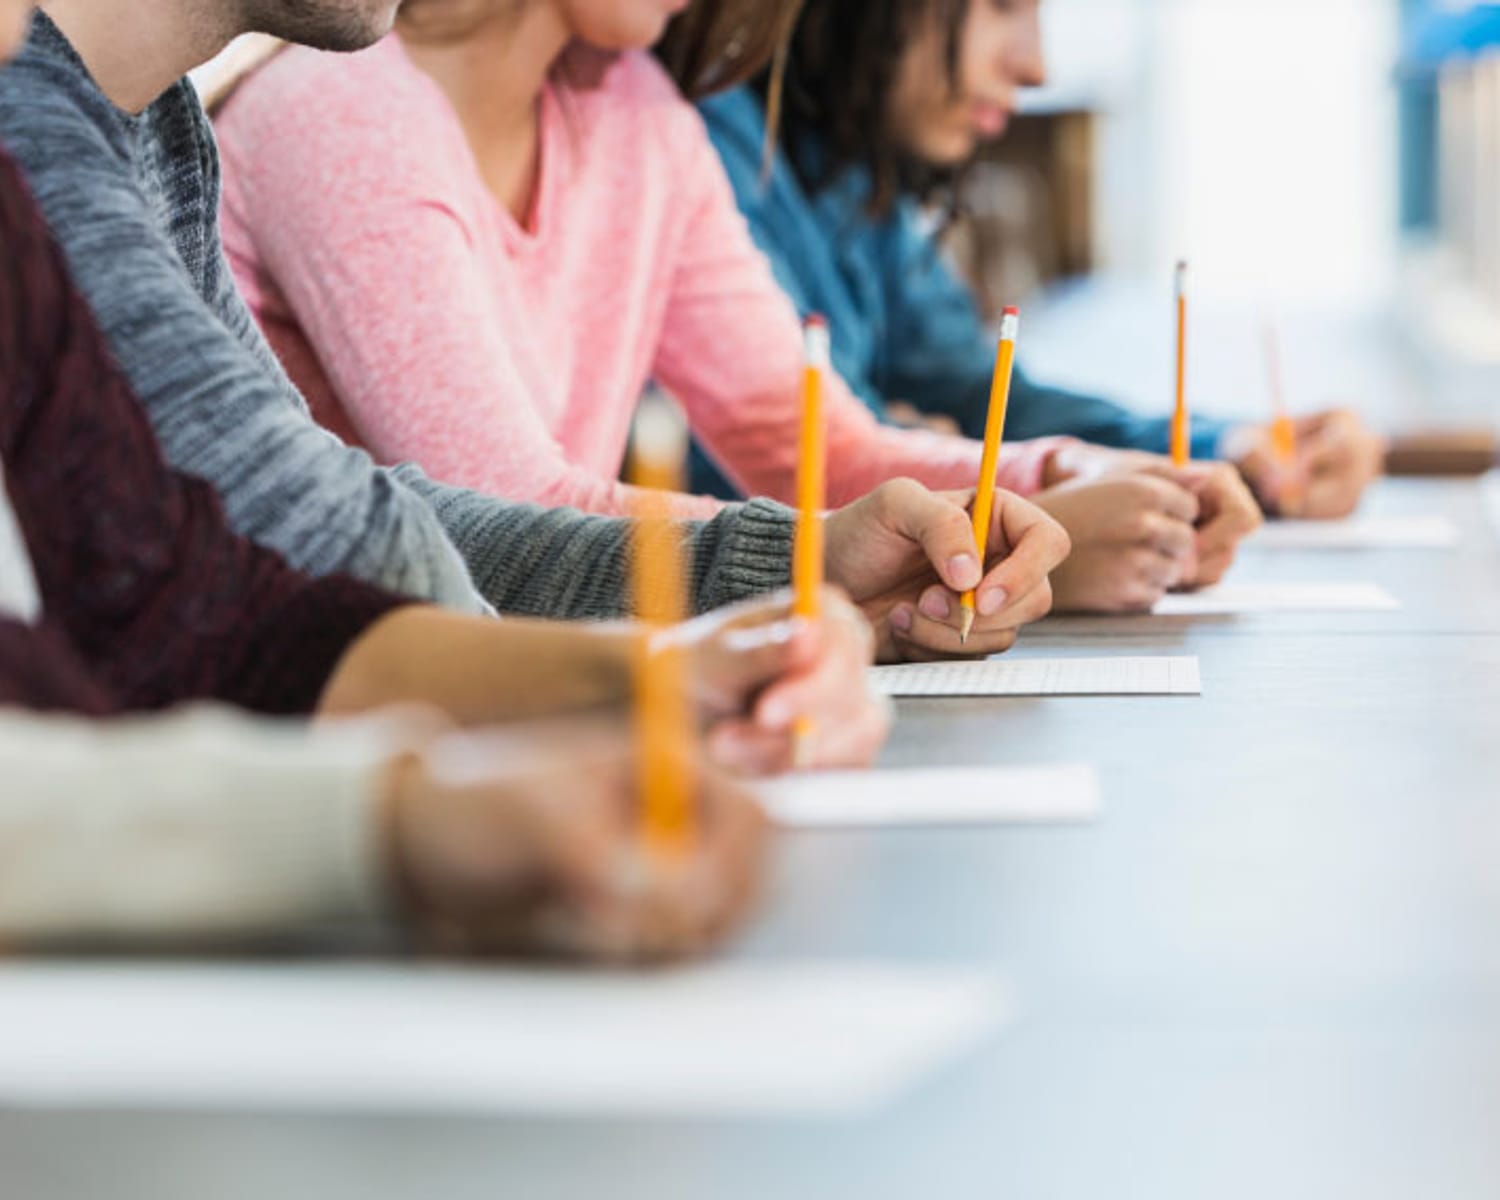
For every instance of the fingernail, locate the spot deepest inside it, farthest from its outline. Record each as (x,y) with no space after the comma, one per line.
(901,618)
(935,605)
(963,570)
(992,601)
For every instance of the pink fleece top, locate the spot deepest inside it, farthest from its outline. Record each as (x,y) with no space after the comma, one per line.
(426,324)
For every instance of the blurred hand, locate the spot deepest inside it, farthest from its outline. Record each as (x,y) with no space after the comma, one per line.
(756,669)
(1227,514)
(1337,458)
(529,842)
(1133,541)
(909,416)
(904,554)
(1083,462)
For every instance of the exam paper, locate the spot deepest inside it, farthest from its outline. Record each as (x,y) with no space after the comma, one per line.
(1121,675)
(919,796)
(734,1040)
(1232,598)
(1359,533)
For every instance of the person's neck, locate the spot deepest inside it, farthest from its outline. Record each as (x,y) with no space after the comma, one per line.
(494,80)
(136,50)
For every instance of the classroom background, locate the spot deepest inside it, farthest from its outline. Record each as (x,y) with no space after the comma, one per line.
(1262,958)
(1329,166)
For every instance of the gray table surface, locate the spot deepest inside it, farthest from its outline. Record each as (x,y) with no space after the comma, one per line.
(1272,969)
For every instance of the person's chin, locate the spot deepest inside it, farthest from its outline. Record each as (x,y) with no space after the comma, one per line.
(950,151)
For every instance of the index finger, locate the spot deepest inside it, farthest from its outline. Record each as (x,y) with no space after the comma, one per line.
(1030,544)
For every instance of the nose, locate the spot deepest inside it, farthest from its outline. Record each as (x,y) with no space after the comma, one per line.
(1028,64)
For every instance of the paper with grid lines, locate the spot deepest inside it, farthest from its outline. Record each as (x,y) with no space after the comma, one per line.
(1120,675)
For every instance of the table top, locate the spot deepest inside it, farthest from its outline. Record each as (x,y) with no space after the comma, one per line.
(1273,968)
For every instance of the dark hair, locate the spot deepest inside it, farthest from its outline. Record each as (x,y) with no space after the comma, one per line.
(835,106)
(715,45)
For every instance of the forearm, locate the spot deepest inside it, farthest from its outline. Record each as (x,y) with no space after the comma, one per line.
(478,671)
(537,562)
(204,824)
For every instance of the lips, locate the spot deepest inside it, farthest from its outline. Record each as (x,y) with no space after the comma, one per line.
(989,120)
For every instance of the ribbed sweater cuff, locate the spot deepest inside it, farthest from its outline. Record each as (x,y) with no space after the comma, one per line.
(745,551)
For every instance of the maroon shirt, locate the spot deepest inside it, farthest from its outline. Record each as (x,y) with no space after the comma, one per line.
(148,598)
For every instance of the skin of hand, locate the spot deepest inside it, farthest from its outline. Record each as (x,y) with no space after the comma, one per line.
(1227,514)
(757,668)
(909,416)
(904,554)
(754,671)
(1337,458)
(528,842)
(1133,541)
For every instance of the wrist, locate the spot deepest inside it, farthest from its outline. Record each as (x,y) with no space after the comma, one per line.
(399,791)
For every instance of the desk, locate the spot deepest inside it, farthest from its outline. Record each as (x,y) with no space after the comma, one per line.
(1272,970)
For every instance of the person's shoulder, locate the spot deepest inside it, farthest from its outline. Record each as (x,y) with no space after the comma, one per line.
(736,119)
(372,113)
(299,87)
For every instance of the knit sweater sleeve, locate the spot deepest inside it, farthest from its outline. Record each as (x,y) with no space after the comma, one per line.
(224,414)
(217,410)
(365,216)
(135,565)
(201,824)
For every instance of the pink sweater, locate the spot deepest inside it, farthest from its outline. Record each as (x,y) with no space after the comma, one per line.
(426,324)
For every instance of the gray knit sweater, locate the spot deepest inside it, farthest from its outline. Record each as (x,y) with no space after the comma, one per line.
(134,202)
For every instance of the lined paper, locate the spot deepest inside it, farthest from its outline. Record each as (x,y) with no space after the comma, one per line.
(1232,598)
(1123,675)
(1359,533)
(925,796)
(734,1040)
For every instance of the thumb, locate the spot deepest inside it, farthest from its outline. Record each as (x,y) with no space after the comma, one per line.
(742,661)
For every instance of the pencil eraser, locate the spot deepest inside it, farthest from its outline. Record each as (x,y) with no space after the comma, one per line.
(1011,311)
(815,321)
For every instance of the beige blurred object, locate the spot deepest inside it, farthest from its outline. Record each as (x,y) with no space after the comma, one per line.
(1442,452)
(1029,209)
(217,78)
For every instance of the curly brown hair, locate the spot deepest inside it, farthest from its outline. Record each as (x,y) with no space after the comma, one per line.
(835,111)
(711,46)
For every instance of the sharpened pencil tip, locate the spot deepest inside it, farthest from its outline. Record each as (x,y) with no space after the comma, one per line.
(965,625)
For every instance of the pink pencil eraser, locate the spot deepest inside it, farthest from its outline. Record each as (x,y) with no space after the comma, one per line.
(1010,312)
(816,321)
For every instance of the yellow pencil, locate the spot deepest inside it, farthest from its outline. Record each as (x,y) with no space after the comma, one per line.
(1181,423)
(812,487)
(663,709)
(989,463)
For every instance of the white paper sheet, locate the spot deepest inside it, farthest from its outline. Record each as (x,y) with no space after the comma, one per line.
(1121,675)
(732,1040)
(1359,533)
(921,796)
(1233,598)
